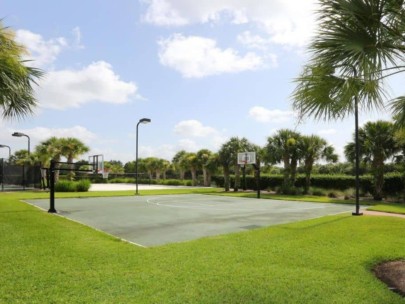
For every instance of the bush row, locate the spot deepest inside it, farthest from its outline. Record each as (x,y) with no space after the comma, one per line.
(393,183)
(72,186)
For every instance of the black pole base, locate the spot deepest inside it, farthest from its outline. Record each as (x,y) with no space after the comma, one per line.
(52,211)
(357,213)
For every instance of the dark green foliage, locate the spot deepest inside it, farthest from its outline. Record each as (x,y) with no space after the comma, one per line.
(393,182)
(72,186)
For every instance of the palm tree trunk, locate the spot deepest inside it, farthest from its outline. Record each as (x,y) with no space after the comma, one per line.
(205,176)
(194,176)
(378,179)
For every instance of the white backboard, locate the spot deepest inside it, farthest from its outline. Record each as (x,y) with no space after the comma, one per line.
(246,158)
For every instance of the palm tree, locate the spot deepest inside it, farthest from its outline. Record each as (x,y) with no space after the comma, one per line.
(16,80)
(203,157)
(315,148)
(50,149)
(176,161)
(359,43)
(228,156)
(72,148)
(284,147)
(190,161)
(377,144)
(211,166)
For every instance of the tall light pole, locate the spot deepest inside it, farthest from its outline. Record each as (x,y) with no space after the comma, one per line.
(9,150)
(19,134)
(141,121)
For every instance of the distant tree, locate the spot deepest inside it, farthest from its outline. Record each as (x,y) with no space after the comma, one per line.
(129,167)
(203,157)
(72,148)
(314,149)
(177,163)
(190,161)
(17,98)
(114,166)
(228,157)
(377,144)
(19,157)
(284,147)
(211,166)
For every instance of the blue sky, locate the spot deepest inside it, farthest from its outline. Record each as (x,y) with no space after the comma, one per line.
(202,71)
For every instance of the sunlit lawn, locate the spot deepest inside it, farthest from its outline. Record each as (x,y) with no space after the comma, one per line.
(48,259)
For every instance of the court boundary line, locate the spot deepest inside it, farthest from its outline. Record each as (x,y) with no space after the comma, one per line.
(162,204)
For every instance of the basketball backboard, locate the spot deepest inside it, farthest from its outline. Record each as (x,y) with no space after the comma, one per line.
(246,158)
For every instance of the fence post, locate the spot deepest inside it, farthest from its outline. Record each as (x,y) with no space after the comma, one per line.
(52,187)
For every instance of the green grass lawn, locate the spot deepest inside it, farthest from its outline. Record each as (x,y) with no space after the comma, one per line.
(48,259)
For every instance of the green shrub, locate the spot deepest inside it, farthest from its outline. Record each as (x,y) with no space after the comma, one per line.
(65,186)
(83,185)
(71,186)
(317,191)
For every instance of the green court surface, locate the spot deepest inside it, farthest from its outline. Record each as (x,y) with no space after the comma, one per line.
(158,220)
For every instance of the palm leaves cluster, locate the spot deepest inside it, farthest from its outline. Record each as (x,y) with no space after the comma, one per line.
(17,98)
(292,148)
(359,44)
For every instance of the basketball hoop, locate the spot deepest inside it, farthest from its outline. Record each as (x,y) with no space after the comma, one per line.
(246,158)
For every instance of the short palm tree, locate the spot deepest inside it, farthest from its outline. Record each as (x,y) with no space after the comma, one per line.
(377,144)
(16,79)
(359,43)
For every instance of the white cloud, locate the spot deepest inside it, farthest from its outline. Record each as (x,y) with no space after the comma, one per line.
(253,41)
(193,128)
(42,52)
(73,88)
(288,22)
(198,57)
(264,115)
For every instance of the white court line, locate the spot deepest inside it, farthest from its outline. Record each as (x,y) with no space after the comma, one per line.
(163,204)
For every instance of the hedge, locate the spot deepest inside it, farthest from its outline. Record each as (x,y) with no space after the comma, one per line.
(393,182)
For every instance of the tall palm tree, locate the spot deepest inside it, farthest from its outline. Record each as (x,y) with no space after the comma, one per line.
(228,156)
(359,43)
(315,148)
(72,148)
(203,157)
(176,161)
(284,147)
(377,144)
(16,79)
(190,161)
(50,149)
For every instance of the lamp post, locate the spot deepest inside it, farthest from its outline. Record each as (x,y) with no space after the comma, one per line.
(19,134)
(141,121)
(9,150)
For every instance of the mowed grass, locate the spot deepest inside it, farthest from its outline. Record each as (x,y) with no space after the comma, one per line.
(48,259)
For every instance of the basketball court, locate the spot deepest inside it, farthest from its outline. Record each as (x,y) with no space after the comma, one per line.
(163,219)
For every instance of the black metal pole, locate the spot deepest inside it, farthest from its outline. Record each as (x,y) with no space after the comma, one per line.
(136,160)
(244,177)
(357,161)
(2,174)
(52,188)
